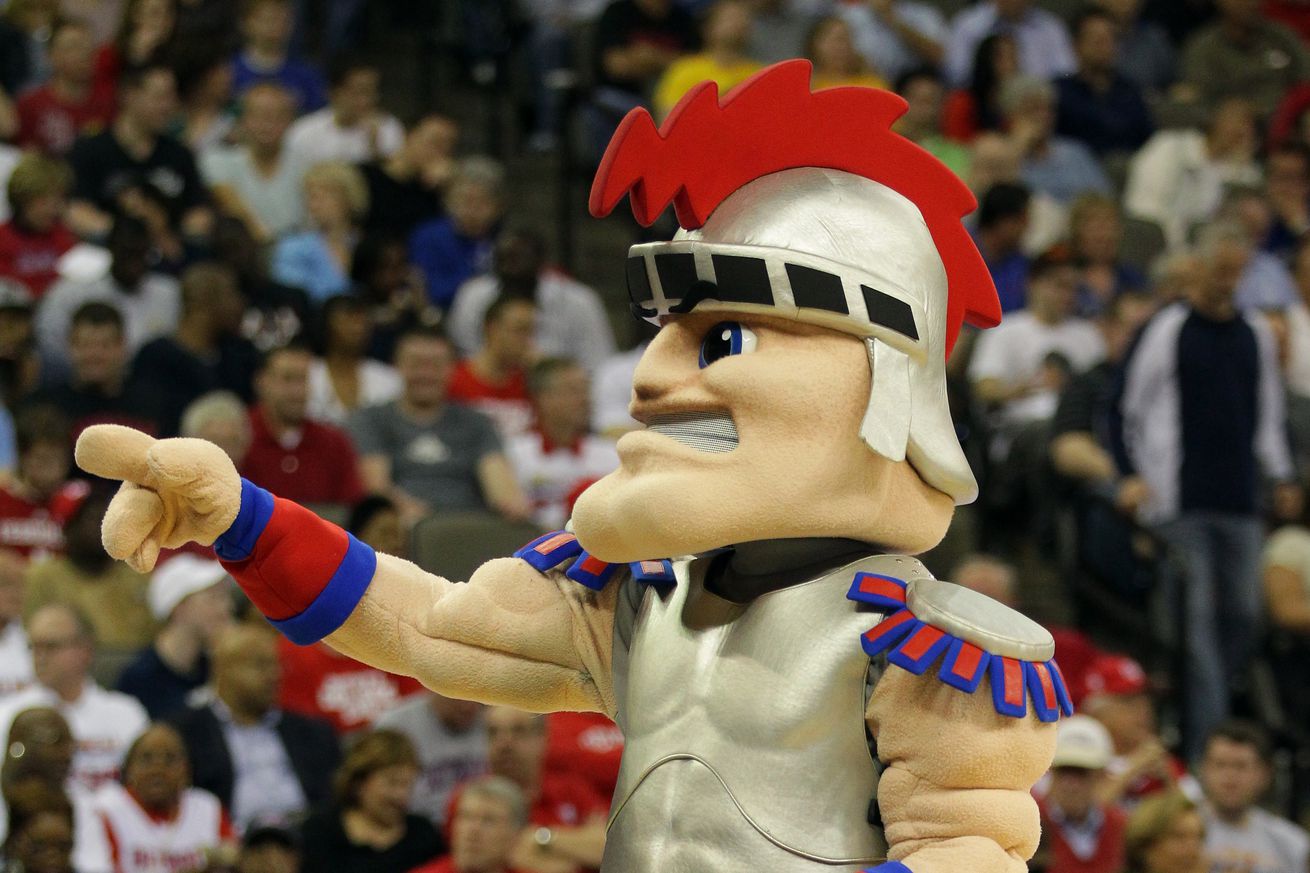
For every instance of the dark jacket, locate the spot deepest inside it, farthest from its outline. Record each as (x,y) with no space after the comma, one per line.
(310,743)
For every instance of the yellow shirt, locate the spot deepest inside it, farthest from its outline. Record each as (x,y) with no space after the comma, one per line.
(863,80)
(687,72)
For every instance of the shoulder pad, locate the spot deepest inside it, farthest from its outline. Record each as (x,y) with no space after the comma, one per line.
(975,636)
(553,550)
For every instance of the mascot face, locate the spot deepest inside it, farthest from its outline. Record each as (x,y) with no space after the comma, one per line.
(794,394)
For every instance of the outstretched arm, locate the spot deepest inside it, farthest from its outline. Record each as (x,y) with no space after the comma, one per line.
(511,635)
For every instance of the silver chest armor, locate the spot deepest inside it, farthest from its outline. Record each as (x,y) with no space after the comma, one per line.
(746,746)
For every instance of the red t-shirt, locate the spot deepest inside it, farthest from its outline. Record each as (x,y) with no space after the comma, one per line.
(37,529)
(566,801)
(321,467)
(507,405)
(48,123)
(31,258)
(446,865)
(319,682)
(1075,653)
(585,744)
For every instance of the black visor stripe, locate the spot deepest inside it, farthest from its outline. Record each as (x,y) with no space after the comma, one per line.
(639,286)
(817,289)
(742,279)
(889,312)
(677,272)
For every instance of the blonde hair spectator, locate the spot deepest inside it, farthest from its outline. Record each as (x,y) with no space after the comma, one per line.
(221,418)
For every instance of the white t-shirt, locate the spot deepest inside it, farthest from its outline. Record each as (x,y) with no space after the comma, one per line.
(104,724)
(277,201)
(317,137)
(15,660)
(549,474)
(141,843)
(151,311)
(445,758)
(378,384)
(1262,843)
(611,391)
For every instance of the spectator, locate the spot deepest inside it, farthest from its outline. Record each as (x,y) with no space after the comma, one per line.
(155,821)
(1081,834)
(322,683)
(584,744)
(975,106)
(204,85)
(1174,274)
(561,458)
(1202,409)
(1095,235)
(149,302)
(1118,695)
(144,32)
(405,189)
(1054,165)
(494,379)
(1287,192)
(70,104)
(1287,605)
(831,49)
(779,27)
(456,248)
(569,810)
(1243,54)
(29,21)
(352,127)
(20,362)
(136,152)
(221,418)
(1041,38)
(897,36)
(1146,55)
(1179,176)
(269,850)
(96,392)
(344,380)
(41,836)
(485,825)
(376,522)
(15,657)
(429,455)
(726,35)
(1265,283)
(1002,223)
(110,594)
(291,454)
(1098,106)
(104,723)
(191,599)
(263,764)
(259,181)
(369,829)
(571,319)
(612,391)
(925,93)
(34,239)
(318,260)
(1166,834)
(40,499)
(266,57)
(1236,770)
(206,352)
(451,740)
(44,745)
(393,289)
(275,313)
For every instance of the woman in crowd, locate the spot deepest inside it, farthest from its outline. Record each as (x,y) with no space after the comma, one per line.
(831,48)
(155,821)
(1095,232)
(370,829)
(145,33)
(40,836)
(393,289)
(344,378)
(971,110)
(1166,834)
(319,260)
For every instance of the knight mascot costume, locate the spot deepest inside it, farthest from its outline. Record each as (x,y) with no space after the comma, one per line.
(797,694)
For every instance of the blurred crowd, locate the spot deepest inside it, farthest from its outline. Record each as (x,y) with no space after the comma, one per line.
(213,224)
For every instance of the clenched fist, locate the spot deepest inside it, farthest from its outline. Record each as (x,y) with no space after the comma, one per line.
(174,491)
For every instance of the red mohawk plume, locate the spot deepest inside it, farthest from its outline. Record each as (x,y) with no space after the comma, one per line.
(705,150)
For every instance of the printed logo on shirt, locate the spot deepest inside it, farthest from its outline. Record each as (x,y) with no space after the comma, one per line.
(601,739)
(156,861)
(357,697)
(427,449)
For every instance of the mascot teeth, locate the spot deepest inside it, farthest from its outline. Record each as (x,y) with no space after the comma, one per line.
(702,431)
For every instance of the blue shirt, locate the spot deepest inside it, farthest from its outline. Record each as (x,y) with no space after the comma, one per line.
(1044,47)
(448,258)
(1265,283)
(1010,275)
(1114,120)
(299,78)
(882,46)
(304,261)
(1066,170)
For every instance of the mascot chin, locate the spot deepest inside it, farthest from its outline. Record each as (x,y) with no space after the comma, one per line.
(795,692)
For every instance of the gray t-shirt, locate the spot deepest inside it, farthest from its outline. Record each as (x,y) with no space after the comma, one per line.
(1264,843)
(435,461)
(445,758)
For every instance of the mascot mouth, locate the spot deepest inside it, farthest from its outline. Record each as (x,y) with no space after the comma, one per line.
(713,432)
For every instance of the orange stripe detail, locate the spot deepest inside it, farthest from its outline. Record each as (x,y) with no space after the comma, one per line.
(593,565)
(1013,672)
(882,588)
(966,664)
(550,545)
(920,642)
(1048,687)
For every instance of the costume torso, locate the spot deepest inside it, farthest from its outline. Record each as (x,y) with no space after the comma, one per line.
(746,742)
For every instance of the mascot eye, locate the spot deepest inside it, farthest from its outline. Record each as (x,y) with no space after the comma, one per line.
(724,339)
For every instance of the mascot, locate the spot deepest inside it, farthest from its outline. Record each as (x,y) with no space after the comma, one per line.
(737,596)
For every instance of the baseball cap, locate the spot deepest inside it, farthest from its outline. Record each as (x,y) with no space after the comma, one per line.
(178,579)
(1082,741)
(1115,675)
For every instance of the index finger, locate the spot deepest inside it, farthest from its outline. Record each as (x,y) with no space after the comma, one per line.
(112,451)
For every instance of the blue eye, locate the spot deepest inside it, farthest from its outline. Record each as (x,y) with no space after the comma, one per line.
(724,339)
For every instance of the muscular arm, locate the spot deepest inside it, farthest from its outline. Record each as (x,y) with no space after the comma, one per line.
(955,792)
